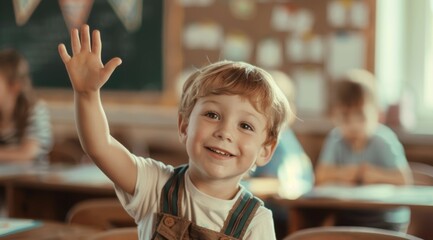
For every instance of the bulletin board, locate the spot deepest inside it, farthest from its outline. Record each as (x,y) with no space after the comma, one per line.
(38,38)
(313,41)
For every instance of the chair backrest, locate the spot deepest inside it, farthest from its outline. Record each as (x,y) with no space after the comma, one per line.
(116,234)
(348,233)
(422,173)
(100,213)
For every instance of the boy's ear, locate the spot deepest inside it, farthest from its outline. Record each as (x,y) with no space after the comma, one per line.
(266,153)
(182,126)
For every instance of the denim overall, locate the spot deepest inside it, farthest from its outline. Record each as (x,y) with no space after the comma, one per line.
(171,226)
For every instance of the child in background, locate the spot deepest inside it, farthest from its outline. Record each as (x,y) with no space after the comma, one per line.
(362,151)
(290,164)
(230,117)
(25,130)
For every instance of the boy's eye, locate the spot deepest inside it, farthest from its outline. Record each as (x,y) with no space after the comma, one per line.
(212,115)
(247,126)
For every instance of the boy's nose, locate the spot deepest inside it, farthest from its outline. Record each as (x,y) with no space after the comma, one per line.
(224,133)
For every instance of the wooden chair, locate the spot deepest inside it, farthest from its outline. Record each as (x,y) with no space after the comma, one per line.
(116,234)
(348,233)
(100,213)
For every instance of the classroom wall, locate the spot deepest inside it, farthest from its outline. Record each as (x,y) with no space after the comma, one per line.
(145,121)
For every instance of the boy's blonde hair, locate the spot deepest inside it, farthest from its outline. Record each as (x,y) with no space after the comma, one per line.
(243,79)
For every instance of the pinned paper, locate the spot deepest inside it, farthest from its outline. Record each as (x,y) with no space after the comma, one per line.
(281,19)
(314,48)
(295,49)
(24,9)
(243,9)
(359,14)
(269,53)
(346,51)
(129,12)
(284,19)
(206,35)
(310,90)
(237,47)
(75,12)
(336,13)
(303,21)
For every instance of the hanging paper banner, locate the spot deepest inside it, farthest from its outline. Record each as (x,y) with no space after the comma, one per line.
(129,12)
(75,12)
(23,10)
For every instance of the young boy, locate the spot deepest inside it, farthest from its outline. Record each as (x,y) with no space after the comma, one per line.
(361,151)
(229,119)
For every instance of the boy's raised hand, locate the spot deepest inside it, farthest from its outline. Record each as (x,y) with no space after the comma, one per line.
(85,68)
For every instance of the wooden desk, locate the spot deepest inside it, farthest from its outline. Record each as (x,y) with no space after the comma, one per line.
(53,230)
(49,195)
(417,198)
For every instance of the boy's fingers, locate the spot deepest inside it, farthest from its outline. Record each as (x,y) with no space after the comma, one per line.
(75,41)
(85,38)
(63,53)
(110,66)
(96,42)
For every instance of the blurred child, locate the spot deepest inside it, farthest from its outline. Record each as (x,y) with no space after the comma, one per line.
(290,164)
(25,130)
(230,116)
(361,151)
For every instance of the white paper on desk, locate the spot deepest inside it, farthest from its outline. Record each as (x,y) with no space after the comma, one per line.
(15,169)
(310,97)
(422,195)
(85,174)
(377,192)
(9,225)
(346,51)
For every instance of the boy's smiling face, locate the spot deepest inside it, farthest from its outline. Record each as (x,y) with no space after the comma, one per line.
(224,137)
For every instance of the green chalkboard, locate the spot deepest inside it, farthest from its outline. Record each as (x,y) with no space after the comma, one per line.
(141,50)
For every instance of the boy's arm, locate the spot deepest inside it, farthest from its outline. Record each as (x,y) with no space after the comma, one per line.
(331,174)
(88,74)
(371,174)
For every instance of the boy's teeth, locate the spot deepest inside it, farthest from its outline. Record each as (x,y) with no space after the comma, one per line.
(220,152)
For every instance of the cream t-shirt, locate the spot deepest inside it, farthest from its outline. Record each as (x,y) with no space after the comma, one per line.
(204,210)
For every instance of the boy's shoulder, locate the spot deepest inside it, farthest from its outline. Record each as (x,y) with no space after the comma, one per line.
(385,135)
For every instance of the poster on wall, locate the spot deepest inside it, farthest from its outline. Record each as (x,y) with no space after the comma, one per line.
(346,51)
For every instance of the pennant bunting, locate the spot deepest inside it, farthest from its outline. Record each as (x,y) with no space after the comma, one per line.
(75,12)
(23,10)
(129,12)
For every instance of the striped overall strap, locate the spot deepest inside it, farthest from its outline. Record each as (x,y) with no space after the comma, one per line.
(241,215)
(171,195)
